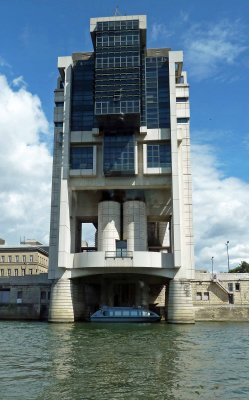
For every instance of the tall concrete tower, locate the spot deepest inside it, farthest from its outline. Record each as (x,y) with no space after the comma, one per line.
(122,167)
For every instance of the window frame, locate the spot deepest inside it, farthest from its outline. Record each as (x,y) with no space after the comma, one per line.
(166,169)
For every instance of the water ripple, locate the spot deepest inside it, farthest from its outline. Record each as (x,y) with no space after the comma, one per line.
(124,361)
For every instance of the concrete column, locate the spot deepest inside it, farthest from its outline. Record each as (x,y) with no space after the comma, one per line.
(180,306)
(61,301)
(108,225)
(135,225)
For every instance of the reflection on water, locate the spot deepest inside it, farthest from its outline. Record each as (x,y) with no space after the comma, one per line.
(124,361)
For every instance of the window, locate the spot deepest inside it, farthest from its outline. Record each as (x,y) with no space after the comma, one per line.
(81,157)
(23,271)
(16,272)
(19,294)
(237,286)
(198,296)
(3,259)
(206,296)
(2,272)
(9,272)
(59,104)
(119,155)
(19,297)
(121,248)
(181,99)
(230,286)
(43,295)
(158,155)
(4,295)
(9,259)
(17,258)
(30,271)
(24,259)
(58,124)
(182,120)
(31,258)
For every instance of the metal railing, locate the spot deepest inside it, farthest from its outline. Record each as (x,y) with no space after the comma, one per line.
(119,254)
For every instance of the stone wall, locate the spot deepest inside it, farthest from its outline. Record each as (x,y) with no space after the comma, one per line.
(24,298)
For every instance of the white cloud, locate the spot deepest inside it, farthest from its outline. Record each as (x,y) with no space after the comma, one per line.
(221,212)
(19,82)
(209,47)
(159,30)
(25,164)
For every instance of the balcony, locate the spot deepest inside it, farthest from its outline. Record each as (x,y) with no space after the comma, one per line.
(127,259)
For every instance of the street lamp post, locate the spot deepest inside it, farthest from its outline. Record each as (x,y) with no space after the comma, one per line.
(212,259)
(228,269)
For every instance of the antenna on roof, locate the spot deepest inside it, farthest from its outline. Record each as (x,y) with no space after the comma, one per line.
(117,12)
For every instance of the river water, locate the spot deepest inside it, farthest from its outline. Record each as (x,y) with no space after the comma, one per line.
(124,361)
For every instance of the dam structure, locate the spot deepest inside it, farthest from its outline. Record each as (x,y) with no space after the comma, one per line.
(121,176)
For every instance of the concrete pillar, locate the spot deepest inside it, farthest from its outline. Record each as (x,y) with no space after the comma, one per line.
(108,225)
(61,301)
(135,225)
(180,306)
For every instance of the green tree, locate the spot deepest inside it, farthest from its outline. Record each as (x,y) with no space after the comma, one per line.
(243,267)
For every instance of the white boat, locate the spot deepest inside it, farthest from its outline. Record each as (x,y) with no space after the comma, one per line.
(124,314)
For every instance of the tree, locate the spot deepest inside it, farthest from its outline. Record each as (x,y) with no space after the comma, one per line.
(243,267)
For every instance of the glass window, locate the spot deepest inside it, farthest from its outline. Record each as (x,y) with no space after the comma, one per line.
(206,296)
(237,286)
(181,99)
(81,157)
(198,296)
(31,258)
(17,258)
(182,120)
(119,155)
(3,258)
(19,294)
(58,124)
(134,313)
(2,272)
(118,313)
(16,272)
(24,258)
(230,286)
(9,259)
(23,271)
(9,272)
(30,271)
(4,295)
(121,248)
(43,295)
(158,155)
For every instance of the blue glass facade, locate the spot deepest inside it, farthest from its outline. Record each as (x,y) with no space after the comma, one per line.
(81,157)
(118,89)
(158,155)
(117,68)
(119,155)
(157,92)
(82,105)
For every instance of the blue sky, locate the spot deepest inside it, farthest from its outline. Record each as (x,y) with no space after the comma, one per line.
(214,38)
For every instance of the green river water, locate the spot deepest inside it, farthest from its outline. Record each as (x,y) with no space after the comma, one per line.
(124,361)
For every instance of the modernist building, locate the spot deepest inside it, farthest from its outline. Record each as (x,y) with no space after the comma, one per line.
(122,164)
